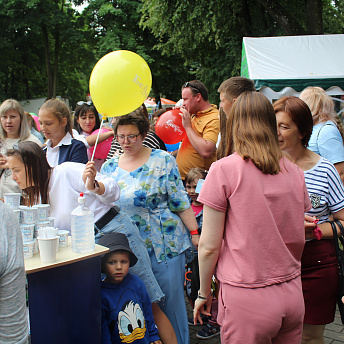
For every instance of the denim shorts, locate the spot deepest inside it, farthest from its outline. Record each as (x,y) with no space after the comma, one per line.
(122,223)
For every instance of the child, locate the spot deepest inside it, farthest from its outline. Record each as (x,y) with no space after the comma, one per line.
(126,307)
(191,180)
(212,328)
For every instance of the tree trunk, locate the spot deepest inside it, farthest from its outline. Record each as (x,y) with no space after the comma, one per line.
(283,17)
(156,91)
(314,17)
(47,60)
(56,53)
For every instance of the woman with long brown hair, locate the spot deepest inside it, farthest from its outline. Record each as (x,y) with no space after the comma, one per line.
(253,231)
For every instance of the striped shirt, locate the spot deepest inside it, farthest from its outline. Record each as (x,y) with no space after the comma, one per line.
(325,190)
(151,141)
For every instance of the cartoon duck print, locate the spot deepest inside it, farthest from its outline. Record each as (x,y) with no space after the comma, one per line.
(131,322)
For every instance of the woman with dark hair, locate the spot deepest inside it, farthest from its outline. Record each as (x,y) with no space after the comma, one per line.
(253,231)
(61,186)
(86,121)
(319,267)
(56,125)
(152,194)
(151,140)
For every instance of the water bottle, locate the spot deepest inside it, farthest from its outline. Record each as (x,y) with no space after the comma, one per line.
(82,227)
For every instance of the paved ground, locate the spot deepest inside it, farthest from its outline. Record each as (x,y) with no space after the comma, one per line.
(334,333)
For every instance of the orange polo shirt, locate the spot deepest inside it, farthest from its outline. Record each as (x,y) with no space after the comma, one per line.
(207,125)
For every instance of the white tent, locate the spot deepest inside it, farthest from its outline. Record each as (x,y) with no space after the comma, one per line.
(284,66)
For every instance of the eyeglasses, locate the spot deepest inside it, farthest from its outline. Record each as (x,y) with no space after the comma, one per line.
(189,84)
(82,103)
(130,138)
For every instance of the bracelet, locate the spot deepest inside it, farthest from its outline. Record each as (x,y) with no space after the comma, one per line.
(195,232)
(202,297)
(96,186)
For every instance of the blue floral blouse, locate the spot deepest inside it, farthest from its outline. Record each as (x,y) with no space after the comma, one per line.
(151,195)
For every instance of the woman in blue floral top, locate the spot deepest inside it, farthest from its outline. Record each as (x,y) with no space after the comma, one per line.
(152,194)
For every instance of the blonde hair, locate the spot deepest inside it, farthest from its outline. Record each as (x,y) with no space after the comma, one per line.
(14,105)
(60,110)
(195,173)
(252,132)
(320,104)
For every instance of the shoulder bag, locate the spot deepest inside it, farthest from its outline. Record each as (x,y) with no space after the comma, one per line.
(339,244)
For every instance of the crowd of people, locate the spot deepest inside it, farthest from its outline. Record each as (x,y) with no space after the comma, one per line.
(244,209)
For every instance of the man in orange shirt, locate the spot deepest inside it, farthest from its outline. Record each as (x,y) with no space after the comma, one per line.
(202,125)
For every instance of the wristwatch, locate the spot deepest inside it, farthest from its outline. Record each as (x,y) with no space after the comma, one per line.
(96,186)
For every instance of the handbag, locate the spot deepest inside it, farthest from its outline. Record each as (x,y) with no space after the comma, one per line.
(340,258)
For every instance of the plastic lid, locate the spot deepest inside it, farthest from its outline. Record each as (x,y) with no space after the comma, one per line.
(81,199)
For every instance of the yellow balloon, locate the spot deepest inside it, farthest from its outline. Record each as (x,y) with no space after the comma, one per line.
(120,82)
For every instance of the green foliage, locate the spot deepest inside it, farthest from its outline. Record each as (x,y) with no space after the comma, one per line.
(116,25)
(48,48)
(29,53)
(208,34)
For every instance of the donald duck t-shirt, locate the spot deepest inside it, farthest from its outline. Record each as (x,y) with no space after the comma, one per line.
(127,312)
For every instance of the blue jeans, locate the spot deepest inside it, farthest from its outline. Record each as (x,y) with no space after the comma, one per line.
(122,223)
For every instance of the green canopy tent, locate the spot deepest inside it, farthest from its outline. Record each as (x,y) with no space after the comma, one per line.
(284,66)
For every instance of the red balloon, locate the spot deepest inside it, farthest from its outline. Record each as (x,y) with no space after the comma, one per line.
(102,148)
(169,127)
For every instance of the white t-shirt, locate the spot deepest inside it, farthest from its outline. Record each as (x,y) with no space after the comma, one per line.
(64,189)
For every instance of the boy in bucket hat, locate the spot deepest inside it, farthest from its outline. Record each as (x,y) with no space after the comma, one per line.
(126,307)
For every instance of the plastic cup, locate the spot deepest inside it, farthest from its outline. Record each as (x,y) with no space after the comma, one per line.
(52,221)
(63,238)
(35,246)
(47,249)
(17,213)
(28,215)
(42,212)
(51,232)
(28,249)
(39,225)
(27,232)
(12,200)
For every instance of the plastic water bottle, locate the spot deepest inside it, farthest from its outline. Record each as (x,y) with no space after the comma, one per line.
(82,227)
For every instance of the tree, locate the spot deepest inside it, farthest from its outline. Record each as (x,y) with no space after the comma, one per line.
(46,48)
(115,26)
(208,34)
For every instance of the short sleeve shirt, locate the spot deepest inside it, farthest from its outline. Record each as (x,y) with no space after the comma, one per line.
(264,232)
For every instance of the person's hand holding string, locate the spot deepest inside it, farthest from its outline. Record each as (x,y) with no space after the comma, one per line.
(89,178)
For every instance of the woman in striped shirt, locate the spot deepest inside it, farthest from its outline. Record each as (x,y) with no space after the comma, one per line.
(319,268)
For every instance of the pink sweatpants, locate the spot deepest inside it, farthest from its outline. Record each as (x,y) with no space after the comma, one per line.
(272,314)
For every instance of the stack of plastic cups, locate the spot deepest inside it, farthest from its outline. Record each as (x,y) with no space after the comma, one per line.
(42,220)
(27,226)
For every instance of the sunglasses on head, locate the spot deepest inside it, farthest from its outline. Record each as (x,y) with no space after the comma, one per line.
(82,103)
(189,84)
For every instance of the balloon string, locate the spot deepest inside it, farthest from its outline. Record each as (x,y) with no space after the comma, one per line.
(95,146)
